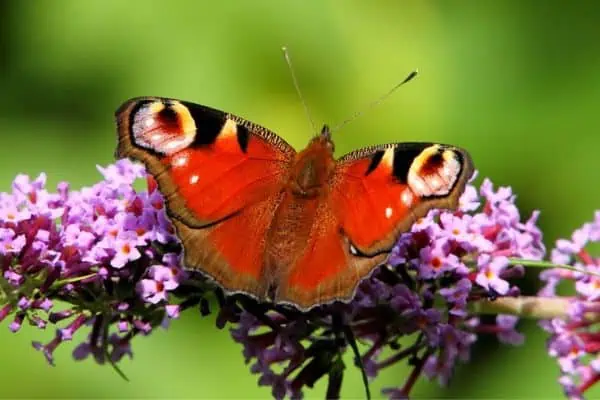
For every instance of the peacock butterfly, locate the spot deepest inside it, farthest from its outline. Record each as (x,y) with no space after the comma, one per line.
(259,218)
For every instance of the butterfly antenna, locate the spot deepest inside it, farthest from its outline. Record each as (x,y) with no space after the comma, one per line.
(288,60)
(376,102)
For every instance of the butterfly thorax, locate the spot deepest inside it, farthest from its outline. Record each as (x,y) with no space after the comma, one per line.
(312,168)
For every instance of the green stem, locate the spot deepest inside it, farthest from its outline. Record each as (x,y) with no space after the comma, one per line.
(63,282)
(105,336)
(548,264)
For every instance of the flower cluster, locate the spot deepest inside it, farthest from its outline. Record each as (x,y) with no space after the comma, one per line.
(106,250)
(106,259)
(575,341)
(447,261)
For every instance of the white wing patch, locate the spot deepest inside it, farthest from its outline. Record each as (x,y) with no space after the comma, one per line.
(434,172)
(163,128)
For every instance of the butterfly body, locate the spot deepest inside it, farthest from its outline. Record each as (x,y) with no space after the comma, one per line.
(313,167)
(262,219)
(300,210)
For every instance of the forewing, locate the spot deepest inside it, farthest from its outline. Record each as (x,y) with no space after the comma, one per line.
(380,192)
(220,176)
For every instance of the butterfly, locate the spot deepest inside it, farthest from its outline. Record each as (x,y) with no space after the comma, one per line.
(259,218)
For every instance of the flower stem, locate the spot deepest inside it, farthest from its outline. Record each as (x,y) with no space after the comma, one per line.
(548,264)
(526,307)
(59,283)
(533,307)
(416,372)
(357,359)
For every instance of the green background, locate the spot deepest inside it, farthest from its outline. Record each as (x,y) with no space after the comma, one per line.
(517,83)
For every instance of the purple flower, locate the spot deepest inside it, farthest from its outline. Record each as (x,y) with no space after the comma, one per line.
(118,347)
(162,279)
(469,201)
(436,259)
(84,349)
(92,247)
(589,287)
(125,250)
(67,333)
(123,326)
(490,270)
(9,213)
(12,245)
(24,303)
(74,236)
(17,322)
(434,271)
(506,330)
(173,310)
(112,252)
(13,277)
(142,226)
(575,342)
(457,296)
(122,173)
(47,349)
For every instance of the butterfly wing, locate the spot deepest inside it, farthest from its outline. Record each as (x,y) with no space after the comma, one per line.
(220,175)
(375,194)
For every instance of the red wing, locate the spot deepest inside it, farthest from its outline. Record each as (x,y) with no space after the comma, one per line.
(232,252)
(375,195)
(220,176)
(380,192)
(326,270)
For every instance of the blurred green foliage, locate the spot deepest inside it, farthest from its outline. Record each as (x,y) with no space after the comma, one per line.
(515,82)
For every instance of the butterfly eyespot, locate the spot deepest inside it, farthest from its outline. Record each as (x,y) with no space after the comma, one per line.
(434,172)
(164,128)
(167,117)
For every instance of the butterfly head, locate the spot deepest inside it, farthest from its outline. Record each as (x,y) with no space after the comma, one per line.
(324,140)
(313,165)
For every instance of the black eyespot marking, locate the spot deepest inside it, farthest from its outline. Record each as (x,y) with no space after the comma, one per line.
(433,163)
(403,159)
(242,137)
(168,116)
(375,160)
(208,124)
